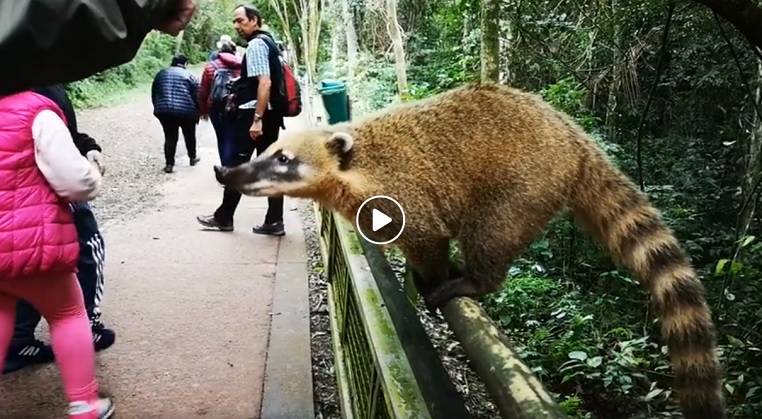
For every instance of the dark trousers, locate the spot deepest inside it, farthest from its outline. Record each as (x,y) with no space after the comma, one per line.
(92,253)
(244,150)
(171,124)
(224,129)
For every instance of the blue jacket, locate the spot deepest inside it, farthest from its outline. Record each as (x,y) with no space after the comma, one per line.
(175,92)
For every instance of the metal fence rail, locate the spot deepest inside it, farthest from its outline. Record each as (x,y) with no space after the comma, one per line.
(385,366)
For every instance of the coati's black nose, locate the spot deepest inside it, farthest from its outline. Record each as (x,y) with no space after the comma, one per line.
(219,173)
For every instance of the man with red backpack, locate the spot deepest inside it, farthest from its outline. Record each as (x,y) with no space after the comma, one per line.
(213,94)
(265,93)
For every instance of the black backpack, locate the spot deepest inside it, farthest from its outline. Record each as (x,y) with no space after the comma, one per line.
(221,86)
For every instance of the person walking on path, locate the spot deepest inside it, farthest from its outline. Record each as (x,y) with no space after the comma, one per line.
(41,172)
(224,39)
(259,117)
(25,349)
(212,97)
(174,94)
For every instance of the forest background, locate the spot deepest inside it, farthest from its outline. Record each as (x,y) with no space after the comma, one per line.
(671,90)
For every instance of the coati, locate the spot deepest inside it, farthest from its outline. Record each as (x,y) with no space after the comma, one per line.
(491,166)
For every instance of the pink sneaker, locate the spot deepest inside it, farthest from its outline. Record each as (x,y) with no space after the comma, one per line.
(96,409)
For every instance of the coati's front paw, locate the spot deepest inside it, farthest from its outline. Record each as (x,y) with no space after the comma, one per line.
(441,295)
(432,309)
(446,291)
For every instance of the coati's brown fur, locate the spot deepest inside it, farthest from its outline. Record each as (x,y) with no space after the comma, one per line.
(491,166)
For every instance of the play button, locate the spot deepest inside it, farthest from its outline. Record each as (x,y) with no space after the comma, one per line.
(380,219)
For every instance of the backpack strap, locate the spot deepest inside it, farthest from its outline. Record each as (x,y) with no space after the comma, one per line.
(267,39)
(270,43)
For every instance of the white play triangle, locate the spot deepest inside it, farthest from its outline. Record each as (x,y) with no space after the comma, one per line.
(379,219)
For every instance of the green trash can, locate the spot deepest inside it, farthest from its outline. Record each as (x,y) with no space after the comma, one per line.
(335,100)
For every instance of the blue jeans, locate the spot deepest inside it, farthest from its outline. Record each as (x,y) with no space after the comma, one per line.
(92,253)
(224,129)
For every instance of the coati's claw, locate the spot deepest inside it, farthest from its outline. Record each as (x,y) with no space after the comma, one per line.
(440,295)
(446,291)
(431,309)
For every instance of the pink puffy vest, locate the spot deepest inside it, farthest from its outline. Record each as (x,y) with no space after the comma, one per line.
(37,233)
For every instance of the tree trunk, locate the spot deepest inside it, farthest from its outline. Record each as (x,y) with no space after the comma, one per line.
(466,26)
(314,14)
(335,44)
(306,48)
(179,41)
(507,45)
(490,52)
(395,33)
(612,102)
(281,7)
(349,31)
(753,169)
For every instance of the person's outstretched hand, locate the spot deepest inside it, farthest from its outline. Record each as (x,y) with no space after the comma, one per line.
(179,18)
(96,158)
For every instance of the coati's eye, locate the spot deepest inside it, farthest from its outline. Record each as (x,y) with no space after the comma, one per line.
(283,159)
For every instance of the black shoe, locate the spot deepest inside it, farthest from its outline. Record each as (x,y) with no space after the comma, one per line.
(194,161)
(272,229)
(103,338)
(168,168)
(27,354)
(209,221)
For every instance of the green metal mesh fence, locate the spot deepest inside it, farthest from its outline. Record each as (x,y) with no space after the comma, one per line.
(367,395)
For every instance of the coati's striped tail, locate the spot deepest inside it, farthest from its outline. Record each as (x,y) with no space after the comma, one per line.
(609,205)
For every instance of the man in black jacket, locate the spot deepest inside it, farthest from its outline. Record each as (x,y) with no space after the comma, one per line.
(25,349)
(260,104)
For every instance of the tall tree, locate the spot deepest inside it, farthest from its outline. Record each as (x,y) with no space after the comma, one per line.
(351,34)
(753,167)
(395,32)
(337,30)
(490,52)
(311,24)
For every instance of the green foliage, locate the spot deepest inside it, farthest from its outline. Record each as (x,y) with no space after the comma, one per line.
(565,335)
(99,89)
(566,95)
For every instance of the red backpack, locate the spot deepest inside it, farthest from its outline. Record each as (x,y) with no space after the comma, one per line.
(292,91)
(289,87)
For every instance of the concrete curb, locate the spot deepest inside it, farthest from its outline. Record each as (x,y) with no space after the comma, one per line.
(288,391)
(288,372)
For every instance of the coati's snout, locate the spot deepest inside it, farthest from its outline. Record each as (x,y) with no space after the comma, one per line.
(232,176)
(269,174)
(222,174)
(294,166)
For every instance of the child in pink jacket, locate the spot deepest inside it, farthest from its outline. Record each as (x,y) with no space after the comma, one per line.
(41,171)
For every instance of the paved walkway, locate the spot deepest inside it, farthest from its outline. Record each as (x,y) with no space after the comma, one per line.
(193,311)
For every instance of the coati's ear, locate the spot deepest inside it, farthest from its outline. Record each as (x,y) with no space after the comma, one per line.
(340,144)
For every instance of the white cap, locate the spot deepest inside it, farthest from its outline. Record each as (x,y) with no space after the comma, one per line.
(223,39)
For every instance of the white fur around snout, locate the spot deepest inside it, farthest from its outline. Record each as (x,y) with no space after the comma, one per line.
(347,140)
(304,170)
(256,188)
